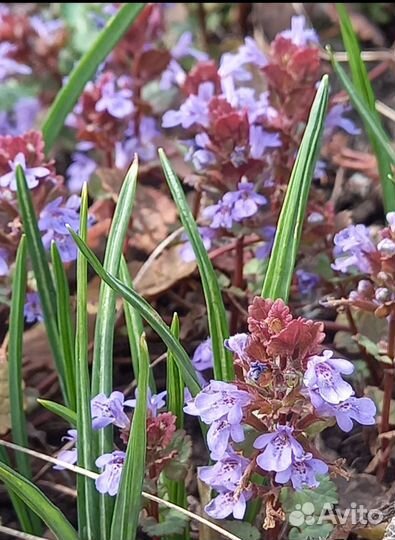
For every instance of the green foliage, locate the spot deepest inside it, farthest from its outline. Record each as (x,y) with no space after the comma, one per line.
(171,523)
(60,410)
(177,469)
(127,505)
(303,508)
(38,502)
(217,317)
(44,281)
(290,223)
(243,530)
(147,312)
(366,106)
(87,495)
(86,68)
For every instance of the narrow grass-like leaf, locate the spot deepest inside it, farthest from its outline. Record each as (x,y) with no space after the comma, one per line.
(60,410)
(362,85)
(289,227)
(86,68)
(15,378)
(128,502)
(175,404)
(217,317)
(102,370)
(87,495)
(147,312)
(21,509)
(39,503)
(65,325)
(134,326)
(43,277)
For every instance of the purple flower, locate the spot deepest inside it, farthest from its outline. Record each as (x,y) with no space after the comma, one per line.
(173,75)
(193,111)
(268,234)
(335,120)
(307,281)
(33,174)
(108,481)
(352,248)
(117,102)
(226,473)
(109,410)
(220,214)
(220,433)
(220,400)
(20,118)
(4,257)
(280,449)
(249,53)
(386,247)
(302,472)
(8,66)
(154,401)
(245,201)
(69,456)
(33,311)
(207,234)
(261,140)
(237,344)
(203,356)
(228,503)
(298,34)
(79,171)
(46,29)
(362,410)
(324,374)
(139,140)
(184,48)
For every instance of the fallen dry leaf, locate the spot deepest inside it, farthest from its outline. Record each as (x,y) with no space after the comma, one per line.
(164,272)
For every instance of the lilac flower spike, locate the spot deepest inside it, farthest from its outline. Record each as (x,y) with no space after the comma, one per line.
(193,111)
(154,401)
(221,400)
(33,311)
(302,472)
(108,481)
(352,248)
(220,433)
(245,201)
(69,456)
(298,34)
(33,174)
(202,358)
(280,449)
(324,375)
(362,410)
(109,410)
(118,103)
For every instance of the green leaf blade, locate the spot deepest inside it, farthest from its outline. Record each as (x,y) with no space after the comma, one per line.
(87,500)
(39,503)
(86,68)
(289,227)
(128,501)
(217,318)
(60,410)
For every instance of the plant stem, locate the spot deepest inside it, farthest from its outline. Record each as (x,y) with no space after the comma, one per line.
(388,391)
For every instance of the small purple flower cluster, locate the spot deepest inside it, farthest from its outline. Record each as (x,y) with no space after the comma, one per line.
(106,411)
(279,358)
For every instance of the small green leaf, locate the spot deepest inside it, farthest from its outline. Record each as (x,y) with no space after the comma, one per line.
(87,499)
(290,223)
(60,410)
(217,317)
(172,523)
(39,503)
(147,312)
(86,68)
(128,501)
